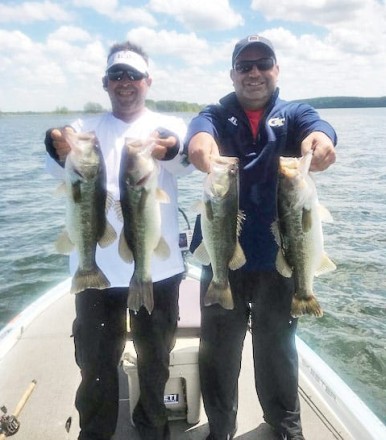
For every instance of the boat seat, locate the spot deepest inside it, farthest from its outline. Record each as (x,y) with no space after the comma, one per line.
(190,316)
(182,392)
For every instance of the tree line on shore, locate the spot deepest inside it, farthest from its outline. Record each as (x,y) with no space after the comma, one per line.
(345,102)
(182,106)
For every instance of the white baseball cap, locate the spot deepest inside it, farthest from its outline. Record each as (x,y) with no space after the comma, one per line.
(128,58)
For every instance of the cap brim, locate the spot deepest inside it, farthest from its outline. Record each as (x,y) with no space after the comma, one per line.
(127,59)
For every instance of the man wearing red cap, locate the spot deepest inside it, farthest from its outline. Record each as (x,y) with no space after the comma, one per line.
(255,125)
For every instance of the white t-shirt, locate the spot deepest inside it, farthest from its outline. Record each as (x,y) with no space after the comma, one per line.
(111,133)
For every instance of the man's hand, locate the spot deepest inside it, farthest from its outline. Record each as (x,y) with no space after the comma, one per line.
(60,145)
(165,144)
(201,148)
(323,150)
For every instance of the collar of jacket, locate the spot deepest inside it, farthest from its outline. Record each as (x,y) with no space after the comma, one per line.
(231,102)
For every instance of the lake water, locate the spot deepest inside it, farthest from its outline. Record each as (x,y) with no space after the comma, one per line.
(351,336)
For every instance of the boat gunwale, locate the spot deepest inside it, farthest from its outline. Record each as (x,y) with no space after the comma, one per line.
(327,388)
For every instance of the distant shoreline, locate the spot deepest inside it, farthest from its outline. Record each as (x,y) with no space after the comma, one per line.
(345,102)
(184,107)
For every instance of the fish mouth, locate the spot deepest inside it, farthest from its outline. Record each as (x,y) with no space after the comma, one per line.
(289,166)
(142,180)
(290,173)
(219,163)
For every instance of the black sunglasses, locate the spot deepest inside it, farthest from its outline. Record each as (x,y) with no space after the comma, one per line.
(118,74)
(262,64)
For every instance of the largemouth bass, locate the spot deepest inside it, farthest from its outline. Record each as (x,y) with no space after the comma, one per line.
(141,237)
(220,225)
(86,223)
(299,234)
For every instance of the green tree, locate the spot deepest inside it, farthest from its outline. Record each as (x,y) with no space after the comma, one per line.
(93,107)
(62,110)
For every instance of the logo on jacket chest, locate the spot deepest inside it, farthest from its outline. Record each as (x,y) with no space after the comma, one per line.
(233,120)
(276,122)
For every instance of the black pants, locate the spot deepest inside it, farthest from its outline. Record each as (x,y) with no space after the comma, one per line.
(100,335)
(264,298)
(154,339)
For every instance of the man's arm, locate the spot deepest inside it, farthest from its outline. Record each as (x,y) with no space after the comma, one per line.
(201,148)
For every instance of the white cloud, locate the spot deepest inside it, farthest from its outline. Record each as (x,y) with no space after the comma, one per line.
(320,12)
(311,66)
(187,47)
(177,84)
(200,14)
(14,40)
(138,16)
(104,7)
(29,12)
(82,62)
(70,33)
(112,10)
(356,26)
(61,63)
(60,72)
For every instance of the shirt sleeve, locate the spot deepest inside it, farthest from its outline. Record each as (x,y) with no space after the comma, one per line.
(308,121)
(205,121)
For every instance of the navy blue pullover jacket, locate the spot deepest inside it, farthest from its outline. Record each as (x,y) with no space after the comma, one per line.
(283,127)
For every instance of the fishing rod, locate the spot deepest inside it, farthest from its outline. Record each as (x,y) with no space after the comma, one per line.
(9,424)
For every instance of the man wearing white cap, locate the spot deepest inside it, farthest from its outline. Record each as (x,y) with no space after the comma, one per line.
(255,125)
(100,325)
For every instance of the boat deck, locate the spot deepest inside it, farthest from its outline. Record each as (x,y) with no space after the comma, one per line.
(44,352)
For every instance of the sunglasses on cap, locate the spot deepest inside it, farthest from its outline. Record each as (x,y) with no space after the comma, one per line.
(246,66)
(118,74)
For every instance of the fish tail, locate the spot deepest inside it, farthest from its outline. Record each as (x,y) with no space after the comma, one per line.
(219,294)
(140,294)
(89,279)
(309,306)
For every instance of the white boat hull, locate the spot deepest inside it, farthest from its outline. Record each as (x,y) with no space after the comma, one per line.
(37,345)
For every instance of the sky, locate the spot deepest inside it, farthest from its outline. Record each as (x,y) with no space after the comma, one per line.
(53,52)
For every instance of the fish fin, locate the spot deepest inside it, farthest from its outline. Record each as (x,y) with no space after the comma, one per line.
(303,306)
(305,163)
(306,220)
(108,237)
(90,279)
(60,190)
(202,254)
(276,232)
(238,258)
(118,210)
(123,249)
(325,215)
(282,266)
(140,294)
(219,294)
(162,196)
(162,250)
(110,201)
(63,244)
(240,220)
(326,266)
(208,209)
(76,191)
